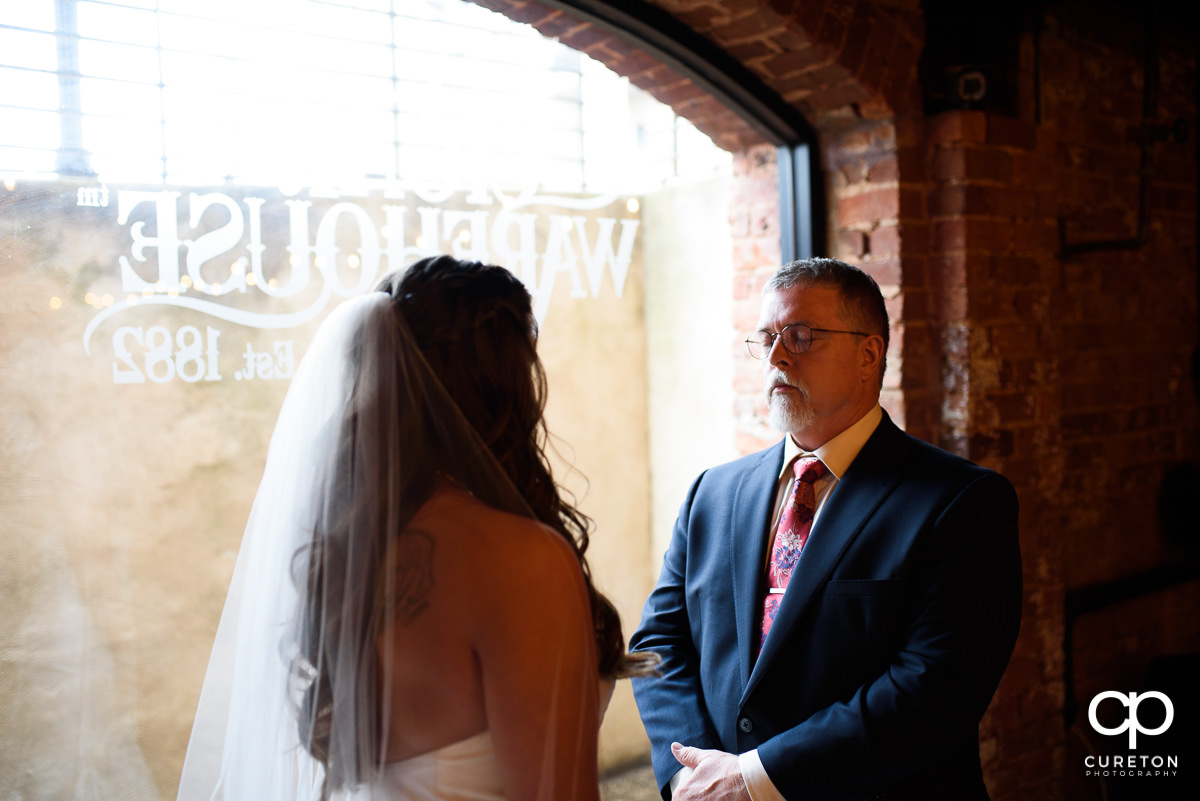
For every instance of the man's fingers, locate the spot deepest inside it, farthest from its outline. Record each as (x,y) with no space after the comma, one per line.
(686,755)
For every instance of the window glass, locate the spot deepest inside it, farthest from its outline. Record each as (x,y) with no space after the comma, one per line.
(27,49)
(186,190)
(28,129)
(38,16)
(116,24)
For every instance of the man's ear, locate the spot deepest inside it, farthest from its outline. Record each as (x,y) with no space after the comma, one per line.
(870,354)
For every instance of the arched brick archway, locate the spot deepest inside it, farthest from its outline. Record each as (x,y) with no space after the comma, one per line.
(837,63)
(852,71)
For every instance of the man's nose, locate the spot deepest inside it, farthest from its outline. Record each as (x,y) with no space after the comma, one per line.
(778,353)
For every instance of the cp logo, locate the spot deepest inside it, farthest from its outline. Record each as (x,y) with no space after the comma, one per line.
(1131,723)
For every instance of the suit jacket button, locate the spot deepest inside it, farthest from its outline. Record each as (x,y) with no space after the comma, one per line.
(746,725)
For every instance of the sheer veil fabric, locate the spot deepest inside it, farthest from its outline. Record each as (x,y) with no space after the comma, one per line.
(362,433)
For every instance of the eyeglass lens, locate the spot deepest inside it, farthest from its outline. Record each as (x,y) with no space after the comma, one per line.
(796,339)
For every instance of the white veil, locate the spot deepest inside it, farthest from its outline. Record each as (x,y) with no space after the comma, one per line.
(362,433)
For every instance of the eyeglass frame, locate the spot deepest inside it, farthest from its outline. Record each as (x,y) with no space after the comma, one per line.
(774,335)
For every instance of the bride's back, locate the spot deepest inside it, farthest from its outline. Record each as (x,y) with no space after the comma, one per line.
(479,592)
(489,630)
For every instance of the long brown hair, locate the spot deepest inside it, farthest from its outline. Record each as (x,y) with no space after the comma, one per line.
(474,324)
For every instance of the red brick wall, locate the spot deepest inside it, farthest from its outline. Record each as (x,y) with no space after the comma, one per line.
(1125,330)
(1069,375)
(993,273)
(754,215)
(874,180)
(1127,319)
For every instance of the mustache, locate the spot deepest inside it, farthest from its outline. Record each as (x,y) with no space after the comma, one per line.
(776,376)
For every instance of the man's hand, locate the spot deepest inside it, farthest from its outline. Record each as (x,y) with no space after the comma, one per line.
(716,776)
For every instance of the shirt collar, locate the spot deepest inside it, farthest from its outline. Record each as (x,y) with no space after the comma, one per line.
(841,451)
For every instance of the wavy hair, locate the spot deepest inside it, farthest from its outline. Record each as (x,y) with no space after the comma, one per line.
(473,327)
(474,323)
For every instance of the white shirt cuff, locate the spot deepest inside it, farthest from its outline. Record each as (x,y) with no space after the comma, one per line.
(758,783)
(679,776)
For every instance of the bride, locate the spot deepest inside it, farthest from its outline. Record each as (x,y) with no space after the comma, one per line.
(411,616)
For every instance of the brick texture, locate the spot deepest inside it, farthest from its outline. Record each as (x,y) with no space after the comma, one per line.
(837,61)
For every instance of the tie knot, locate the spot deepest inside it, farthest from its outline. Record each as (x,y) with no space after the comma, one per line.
(810,469)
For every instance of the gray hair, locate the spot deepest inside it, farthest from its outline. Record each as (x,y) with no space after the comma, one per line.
(862,301)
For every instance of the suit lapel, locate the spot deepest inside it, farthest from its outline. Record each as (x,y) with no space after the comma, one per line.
(870,479)
(750,515)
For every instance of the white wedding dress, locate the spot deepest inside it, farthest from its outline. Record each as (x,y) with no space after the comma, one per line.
(464,771)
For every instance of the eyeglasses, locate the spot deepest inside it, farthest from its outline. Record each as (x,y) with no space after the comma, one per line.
(797,338)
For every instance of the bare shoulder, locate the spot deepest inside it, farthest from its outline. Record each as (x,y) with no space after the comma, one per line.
(518,550)
(496,547)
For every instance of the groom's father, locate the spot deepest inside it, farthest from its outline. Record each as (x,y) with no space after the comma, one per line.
(835,612)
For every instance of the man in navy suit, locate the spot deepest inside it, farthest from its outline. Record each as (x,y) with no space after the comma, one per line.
(900,614)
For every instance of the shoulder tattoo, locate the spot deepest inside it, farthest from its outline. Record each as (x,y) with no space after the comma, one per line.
(410,578)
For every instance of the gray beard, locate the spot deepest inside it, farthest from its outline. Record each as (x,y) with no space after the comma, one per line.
(786,413)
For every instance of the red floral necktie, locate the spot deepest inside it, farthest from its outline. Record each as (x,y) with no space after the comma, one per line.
(790,536)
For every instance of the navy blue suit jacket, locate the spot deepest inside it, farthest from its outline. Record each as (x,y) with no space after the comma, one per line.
(895,630)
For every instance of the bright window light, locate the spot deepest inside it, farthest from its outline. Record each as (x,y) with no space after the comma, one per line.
(270,92)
